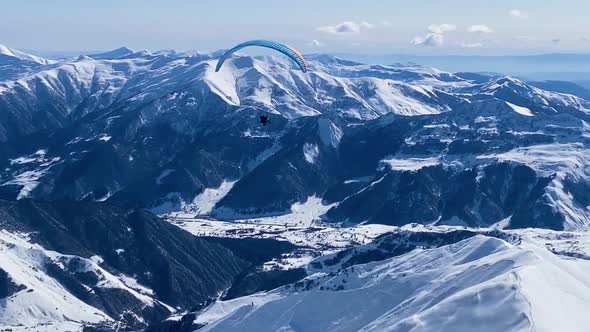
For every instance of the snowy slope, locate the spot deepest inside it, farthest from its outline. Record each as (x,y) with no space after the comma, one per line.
(269,84)
(23,56)
(480,283)
(14,64)
(562,162)
(99,265)
(43,298)
(525,96)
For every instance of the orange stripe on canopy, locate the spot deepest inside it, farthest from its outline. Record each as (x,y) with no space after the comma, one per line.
(299,56)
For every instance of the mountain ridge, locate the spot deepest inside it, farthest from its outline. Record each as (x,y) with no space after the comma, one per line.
(154,118)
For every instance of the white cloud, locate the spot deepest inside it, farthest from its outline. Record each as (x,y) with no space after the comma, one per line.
(471,45)
(431,39)
(441,28)
(480,28)
(518,13)
(386,24)
(366,25)
(346,28)
(435,35)
(316,43)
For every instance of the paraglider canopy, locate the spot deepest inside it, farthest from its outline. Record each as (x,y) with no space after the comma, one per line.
(286,50)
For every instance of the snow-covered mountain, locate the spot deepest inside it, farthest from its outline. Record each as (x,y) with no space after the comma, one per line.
(55,96)
(481,283)
(7,52)
(365,173)
(69,263)
(14,63)
(159,130)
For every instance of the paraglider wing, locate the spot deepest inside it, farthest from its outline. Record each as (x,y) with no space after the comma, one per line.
(286,50)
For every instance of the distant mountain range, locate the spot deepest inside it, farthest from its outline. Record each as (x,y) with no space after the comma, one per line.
(156,130)
(551,66)
(558,66)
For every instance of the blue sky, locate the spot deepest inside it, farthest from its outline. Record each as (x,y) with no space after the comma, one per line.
(367,26)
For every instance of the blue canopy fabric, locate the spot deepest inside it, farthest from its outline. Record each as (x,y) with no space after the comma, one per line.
(286,50)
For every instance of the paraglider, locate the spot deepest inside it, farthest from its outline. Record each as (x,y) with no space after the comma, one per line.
(264,120)
(286,50)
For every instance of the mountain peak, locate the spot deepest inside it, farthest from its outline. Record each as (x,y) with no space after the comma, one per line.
(22,55)
(5,50)
(114,54)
